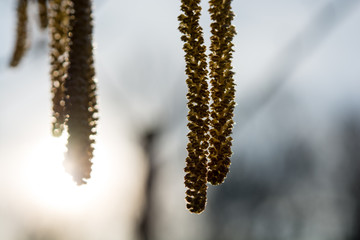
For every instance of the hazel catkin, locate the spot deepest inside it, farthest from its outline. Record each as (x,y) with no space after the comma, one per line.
(198,101)
(222,90)
(80,97)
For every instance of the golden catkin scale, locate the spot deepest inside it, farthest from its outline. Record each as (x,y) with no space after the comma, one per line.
(59,48)
(43,13)
(198,101)
(222,90)
(21,33)
(80,93)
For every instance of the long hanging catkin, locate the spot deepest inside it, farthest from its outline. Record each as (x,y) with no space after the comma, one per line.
(43,13)
(222,89)
(59,48)
(198,101)
(80,88)
(21,33)
(208,131)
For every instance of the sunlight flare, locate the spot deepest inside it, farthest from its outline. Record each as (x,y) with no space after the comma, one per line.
(47,183)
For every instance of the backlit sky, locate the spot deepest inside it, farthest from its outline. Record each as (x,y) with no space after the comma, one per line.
(140,72)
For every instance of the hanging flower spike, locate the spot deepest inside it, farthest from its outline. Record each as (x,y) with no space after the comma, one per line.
(59,49)
(79,84)
(222,89)
(43,15)
(21,31)
(198,101)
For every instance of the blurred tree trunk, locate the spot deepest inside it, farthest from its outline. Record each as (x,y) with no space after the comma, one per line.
(351,141)
(148,141)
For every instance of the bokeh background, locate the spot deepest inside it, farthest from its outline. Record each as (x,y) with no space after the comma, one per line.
(295,170)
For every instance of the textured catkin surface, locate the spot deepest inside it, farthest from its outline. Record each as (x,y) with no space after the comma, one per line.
(198,100)
(222,90)
(21,33)
(80,88)
(59,49)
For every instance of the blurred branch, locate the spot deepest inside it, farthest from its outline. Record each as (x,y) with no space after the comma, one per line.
(293,55)
(149,139)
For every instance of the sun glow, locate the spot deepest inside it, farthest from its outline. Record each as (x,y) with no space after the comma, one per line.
(49,185)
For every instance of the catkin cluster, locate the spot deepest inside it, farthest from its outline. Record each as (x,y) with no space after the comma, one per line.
(209,147)
(72,74)
(80,97)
